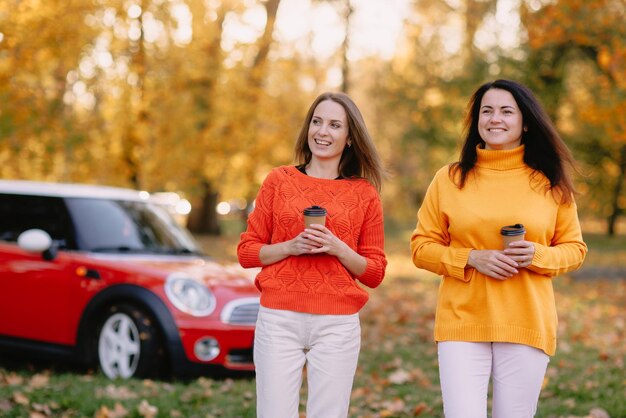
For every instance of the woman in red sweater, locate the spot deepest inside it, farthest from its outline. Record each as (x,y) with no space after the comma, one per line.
(310,297)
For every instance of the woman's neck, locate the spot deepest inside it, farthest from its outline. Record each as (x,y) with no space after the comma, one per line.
(323,169)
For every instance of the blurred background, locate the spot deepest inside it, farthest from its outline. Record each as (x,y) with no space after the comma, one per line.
(198,99)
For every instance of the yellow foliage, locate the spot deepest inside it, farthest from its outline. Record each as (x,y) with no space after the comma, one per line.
(90,91)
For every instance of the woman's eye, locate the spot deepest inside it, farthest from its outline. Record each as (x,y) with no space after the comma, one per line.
(315,122)
(336,125)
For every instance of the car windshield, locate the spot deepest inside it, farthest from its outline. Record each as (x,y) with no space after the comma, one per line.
(128,226)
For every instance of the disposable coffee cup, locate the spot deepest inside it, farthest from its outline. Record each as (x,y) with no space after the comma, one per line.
(314,215)
(511,233)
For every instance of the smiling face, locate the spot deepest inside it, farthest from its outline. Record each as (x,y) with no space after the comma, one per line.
(500,121)
(328,131)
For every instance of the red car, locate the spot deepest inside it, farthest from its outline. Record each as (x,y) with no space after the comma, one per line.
(102,276)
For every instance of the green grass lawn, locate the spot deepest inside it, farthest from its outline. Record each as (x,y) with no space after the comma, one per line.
(397,376)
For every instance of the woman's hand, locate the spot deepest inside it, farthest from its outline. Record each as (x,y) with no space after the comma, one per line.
(304,244)
(273,253)
(522,252)
(316,239)
(322,240)
(493,263)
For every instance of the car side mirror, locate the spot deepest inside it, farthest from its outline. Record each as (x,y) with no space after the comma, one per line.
(37,241)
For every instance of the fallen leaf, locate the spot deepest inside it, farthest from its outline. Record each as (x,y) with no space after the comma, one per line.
(422,407)
(570,403)
(146,410)
(392,407)
(118,412)
(598,413)
(102,412)
(39,381)
(115,392)
(13,379)
(20,399)
(43,408)
(399,377)
(227,385)
(360,392)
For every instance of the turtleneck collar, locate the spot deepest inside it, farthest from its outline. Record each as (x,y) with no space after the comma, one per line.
(500,159)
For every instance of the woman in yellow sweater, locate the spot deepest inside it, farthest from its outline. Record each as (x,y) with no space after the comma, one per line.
(496,315)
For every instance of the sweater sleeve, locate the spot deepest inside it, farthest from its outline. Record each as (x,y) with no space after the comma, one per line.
(260,224)
(430,241)
(371,245)
(566,251)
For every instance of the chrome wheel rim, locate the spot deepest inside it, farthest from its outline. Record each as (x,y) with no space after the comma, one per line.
(119,346)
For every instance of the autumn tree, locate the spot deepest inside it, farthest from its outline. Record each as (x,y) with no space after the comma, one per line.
(40,45)
(424,90)
(577,50)
(163,95)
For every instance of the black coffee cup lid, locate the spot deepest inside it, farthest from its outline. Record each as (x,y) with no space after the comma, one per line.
(315,211)
(511,230)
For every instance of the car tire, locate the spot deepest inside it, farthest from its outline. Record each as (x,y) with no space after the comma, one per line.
(129,344)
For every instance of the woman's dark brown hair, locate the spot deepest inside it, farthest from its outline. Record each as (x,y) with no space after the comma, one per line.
(359,160)
(544,149)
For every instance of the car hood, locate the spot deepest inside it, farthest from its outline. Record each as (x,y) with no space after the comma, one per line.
(203,269)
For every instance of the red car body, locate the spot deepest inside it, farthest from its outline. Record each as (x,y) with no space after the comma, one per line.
(58,304)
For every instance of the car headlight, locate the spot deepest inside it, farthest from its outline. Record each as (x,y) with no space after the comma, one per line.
(189,295)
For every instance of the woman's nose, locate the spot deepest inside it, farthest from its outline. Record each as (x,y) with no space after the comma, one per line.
(496,117)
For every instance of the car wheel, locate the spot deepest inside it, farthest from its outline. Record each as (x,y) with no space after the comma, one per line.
(128,343)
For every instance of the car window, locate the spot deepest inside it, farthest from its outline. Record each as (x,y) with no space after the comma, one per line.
(20,212)
(116,226)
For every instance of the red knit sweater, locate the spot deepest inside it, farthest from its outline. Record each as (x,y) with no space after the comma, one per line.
(317,283)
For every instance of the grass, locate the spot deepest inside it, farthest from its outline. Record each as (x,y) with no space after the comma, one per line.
(397,375)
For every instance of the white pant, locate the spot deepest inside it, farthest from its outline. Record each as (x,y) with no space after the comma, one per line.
(466,367)
(284,341)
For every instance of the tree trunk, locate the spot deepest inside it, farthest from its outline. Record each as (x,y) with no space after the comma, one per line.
(475,12)
(203,217)
(345,63)
(134,141)
(616,210)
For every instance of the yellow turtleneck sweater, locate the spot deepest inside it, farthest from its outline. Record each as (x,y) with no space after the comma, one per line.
(500,190)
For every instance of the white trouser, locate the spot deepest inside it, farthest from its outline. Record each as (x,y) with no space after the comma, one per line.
(466,367)
(284,341)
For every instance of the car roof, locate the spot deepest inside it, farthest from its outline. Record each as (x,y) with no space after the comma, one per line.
(27,187)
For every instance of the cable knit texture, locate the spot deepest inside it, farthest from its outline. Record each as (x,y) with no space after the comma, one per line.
(501,190)
(318,283)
